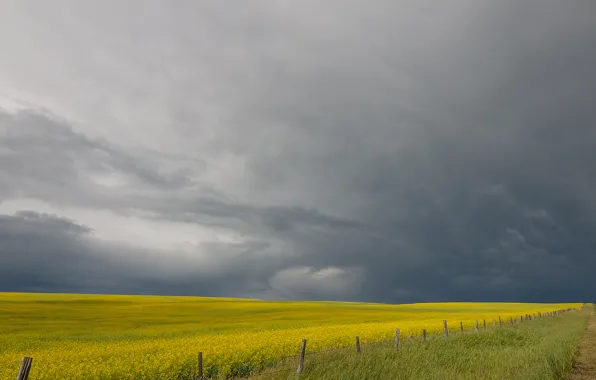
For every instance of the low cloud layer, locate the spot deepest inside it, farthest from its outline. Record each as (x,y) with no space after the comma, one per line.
(406,152)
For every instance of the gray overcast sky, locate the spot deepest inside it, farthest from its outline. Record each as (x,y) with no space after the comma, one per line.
(385,151)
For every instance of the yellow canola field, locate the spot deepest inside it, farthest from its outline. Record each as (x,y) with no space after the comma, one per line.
(131,337)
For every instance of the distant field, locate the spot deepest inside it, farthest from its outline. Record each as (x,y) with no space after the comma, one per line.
(130,337)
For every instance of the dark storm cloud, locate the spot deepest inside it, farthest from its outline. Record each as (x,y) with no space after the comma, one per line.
(44,158)
(39,148)
(446,150)
(47,253)
(414,154)
(42,252)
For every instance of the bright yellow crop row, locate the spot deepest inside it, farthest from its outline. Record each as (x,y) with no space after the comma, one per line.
(125,337)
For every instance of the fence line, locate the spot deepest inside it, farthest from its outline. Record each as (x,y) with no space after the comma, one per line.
(26,362)
(423,338)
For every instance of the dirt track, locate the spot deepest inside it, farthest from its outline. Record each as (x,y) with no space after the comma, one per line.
(585,368)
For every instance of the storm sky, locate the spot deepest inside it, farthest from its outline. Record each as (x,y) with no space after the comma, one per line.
(385,151)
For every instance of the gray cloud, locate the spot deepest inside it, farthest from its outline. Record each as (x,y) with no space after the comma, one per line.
(42,252)
(397,153)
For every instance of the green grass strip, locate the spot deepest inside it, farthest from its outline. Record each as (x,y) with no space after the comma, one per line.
(541,349)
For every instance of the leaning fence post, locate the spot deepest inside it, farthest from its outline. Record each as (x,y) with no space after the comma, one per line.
(396,344)
(301,359)
(358,344)
(461,326)
(25,368)
(445,328)
(200,367)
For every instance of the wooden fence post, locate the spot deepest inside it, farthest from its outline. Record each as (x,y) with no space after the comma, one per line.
(424,335)
(301,359)
(476,327)
(357,344)
(446,329)
(200,367)
(500,322)
(461,326)
(25,368)
(494,322)
(511,319)
(484,321)
(396,344)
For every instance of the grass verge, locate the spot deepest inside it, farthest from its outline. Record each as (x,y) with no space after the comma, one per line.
(585,366)
(540,349)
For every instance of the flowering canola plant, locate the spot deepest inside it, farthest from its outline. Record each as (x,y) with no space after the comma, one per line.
(130,337)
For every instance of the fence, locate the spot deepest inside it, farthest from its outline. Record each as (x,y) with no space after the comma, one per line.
(27,362)
(395,342)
